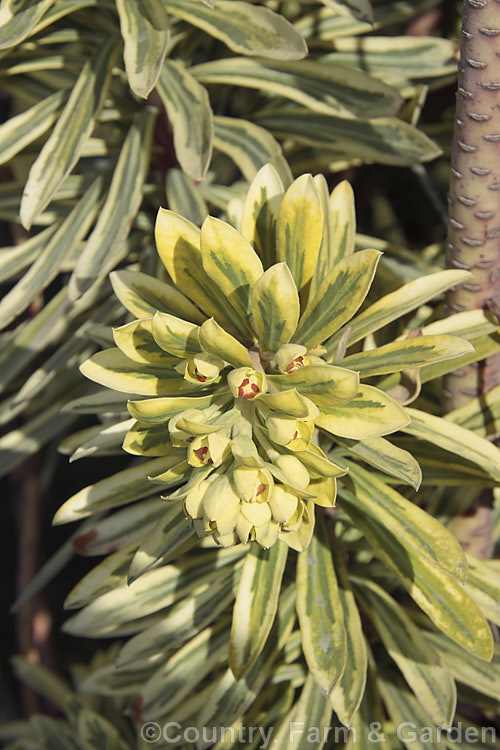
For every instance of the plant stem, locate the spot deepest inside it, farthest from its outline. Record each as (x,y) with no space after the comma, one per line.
(474,215)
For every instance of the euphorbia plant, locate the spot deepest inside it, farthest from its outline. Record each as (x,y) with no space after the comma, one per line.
(263,379)
(239,358)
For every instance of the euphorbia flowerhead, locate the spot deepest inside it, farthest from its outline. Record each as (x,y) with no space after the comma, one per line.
(236,356)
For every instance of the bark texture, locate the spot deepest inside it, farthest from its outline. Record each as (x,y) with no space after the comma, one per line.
(474,212)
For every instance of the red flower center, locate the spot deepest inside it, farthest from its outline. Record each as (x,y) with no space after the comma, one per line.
(295,364)
(201,453)
(201,378)
(248,390)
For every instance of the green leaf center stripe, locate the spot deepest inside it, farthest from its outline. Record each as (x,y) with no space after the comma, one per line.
(338,297)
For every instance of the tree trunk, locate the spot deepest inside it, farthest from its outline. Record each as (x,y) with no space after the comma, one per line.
(474,215)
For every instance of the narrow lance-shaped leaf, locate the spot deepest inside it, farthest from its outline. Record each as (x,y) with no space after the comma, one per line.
(245,28)
(389,458)
(339,228)
(411,525)
(184,196)
(361,10)
(326,385)
(371,413)
(178,243)
(63,148)
(299,230)
(275,307)
(441,596)
(338,298)
(118,489)
(168,534)
(255,605)
(386,140)
(144,295)
(219,343)
(46,266)
(327,88)
(102,251)
(144,27)
(403,355)
(320,612)
(22,129)
(419,663)
(308,723)
(260,213)
(396,304)
(188,109)
(346,696)
(17,19)
(250,147)
(136,341)
(456,439)
(230,261)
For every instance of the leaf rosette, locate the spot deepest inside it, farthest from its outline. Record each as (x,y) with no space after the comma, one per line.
(243,361)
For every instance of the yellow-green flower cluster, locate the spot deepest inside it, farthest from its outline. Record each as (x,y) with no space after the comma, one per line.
(236,352)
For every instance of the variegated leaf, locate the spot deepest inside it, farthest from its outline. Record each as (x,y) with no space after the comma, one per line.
(455,439)
(275,307)
(387,457)
(299,230)
(255,605)
(346,696)
(144,295)
(114,370)
(144,28)
(338,298)
(169,533)
(404,355)
(320,612)
(245,28)
(260,213)
(231,262)
(419,663)
(217,342)
(178,243)
(327,88)
(385,140)
(408,523)
(159,410)
(250,147)
(118,489)
(17,19)
(189,111)
(184,197)
(370,414)
(396,304)
(441,596)
(104,247)
(72,230)
(185,619)
(326,385)
(339,228)
(22,129)
(64,145)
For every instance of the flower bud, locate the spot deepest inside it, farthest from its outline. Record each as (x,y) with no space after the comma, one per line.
(283,504)
(294,470)
(252,485)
